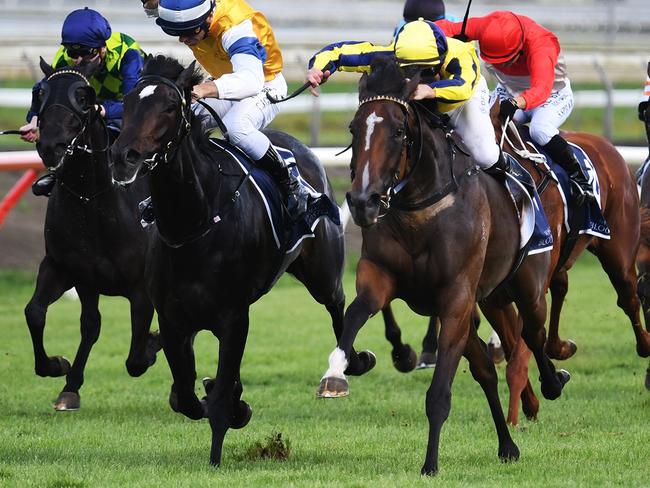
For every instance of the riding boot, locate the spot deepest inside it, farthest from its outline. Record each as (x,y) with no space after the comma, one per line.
(294,193)
(43,186)
(562,154)
(499,169)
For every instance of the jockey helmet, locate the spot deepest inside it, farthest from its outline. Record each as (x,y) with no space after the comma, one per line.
(427,9)
(85,27)
(420,43)
(183,17)
(502,39)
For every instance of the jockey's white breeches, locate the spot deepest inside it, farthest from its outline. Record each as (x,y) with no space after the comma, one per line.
(545,120)
(472,122)
(245,118)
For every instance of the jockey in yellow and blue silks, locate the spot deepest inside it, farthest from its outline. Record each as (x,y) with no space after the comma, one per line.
(457,84)
(85,37)
(236,46)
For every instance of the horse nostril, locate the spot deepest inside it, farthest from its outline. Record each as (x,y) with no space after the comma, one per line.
(132,156)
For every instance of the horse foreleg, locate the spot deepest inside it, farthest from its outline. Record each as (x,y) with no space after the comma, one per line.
(454,330)
(404,357)
(557,348)
(484,372)
(225,408)
(375,290)
(50,285)
(144,345)
(180,357)
(90,326)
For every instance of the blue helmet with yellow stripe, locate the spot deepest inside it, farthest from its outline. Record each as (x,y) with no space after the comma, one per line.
(420,43)
(183,17)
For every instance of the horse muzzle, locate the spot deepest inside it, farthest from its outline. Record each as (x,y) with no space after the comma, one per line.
(364,208)
(125,165)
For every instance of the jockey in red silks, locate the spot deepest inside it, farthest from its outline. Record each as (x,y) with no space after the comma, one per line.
(533,86)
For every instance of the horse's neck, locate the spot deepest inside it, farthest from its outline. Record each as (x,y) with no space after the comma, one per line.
(181,204)
(85,175)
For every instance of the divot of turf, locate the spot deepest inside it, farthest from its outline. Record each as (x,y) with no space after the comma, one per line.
(273,447)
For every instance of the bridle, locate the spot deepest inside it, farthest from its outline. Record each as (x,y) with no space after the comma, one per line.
(184,125)
(403,173)
(85,116)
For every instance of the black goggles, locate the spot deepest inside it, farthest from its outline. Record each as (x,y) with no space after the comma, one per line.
(77,51)
(182,33)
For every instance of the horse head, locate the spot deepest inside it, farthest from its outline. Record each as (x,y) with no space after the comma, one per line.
(67,112)
(381,138)
(156,117)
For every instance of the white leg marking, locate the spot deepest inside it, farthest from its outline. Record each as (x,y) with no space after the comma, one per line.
(494,339)
(370,123)
(148,90)
(338,363)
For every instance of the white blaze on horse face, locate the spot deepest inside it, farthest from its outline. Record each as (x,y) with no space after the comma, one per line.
(365,177)
(372,119)
(338,364)
(147,90)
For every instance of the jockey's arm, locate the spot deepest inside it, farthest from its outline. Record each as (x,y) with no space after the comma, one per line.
(247,56)
(459,73)
(541,64)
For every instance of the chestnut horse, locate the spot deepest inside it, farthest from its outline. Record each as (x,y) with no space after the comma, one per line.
(432,236)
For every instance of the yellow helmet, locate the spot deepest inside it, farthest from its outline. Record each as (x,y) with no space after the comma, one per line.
(420,43)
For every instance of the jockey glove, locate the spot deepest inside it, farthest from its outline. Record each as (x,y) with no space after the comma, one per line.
(507,109)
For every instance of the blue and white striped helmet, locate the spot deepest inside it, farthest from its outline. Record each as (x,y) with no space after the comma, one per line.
(182,17)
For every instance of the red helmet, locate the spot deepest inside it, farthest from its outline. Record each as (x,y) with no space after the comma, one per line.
(502,38)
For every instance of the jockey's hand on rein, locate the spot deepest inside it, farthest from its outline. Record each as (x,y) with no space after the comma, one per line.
(507,109)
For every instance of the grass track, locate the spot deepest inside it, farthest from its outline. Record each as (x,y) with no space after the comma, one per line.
(596,434)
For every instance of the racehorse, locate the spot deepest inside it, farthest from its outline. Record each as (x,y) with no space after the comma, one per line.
(214,254)
(619,205)
(643,256)
(432,237)
(93,238)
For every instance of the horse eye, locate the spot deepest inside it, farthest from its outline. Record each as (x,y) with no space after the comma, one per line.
(399,132)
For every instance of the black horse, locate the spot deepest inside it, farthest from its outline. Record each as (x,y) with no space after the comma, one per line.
(440,235)
(93,238)
(214,253)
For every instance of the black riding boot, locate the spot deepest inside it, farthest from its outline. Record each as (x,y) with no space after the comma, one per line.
(42,187)
(295,194)
(499,169)
(562,154)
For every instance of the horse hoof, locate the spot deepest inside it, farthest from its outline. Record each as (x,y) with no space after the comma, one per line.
(55,367)
(242,416)
(369,360)
(67,401)
(509,453)
(643,344)
(429,470)
(647,379)
(566,349)
(564,376)
(208,384)
(365,361)
(405,359)
(496,353)
(333,387)
(427,360)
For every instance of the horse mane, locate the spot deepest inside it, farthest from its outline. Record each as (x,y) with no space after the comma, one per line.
(171,68)
(385,77)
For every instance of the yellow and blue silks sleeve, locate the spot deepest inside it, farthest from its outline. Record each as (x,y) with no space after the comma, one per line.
(354,56)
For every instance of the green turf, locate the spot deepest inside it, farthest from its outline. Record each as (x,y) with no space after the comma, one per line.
(596,434)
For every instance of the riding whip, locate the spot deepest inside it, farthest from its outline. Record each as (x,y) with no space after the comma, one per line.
(10,132)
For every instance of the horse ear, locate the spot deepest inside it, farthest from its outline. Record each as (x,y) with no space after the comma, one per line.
(46,68)
(184,80)
(411,85)
(363,84)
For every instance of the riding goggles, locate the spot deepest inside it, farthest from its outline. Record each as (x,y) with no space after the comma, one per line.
(78,51)
(182,33)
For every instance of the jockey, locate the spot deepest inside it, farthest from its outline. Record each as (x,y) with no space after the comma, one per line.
(453,79)
(525,59)
(85,37)
(235,44)
(645,98)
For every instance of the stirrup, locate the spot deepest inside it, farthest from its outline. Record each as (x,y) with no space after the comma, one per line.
(297,199)
(583,193)
(147,214)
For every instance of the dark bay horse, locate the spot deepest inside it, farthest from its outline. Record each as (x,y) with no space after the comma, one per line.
(93,238)
(448,238)
(204,272)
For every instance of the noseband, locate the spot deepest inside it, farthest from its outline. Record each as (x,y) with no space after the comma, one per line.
(84,116)
(183,124)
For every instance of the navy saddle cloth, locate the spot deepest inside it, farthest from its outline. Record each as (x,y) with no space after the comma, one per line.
(592,221)
(288,234)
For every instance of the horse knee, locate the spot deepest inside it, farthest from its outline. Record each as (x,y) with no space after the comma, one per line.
(438,405)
